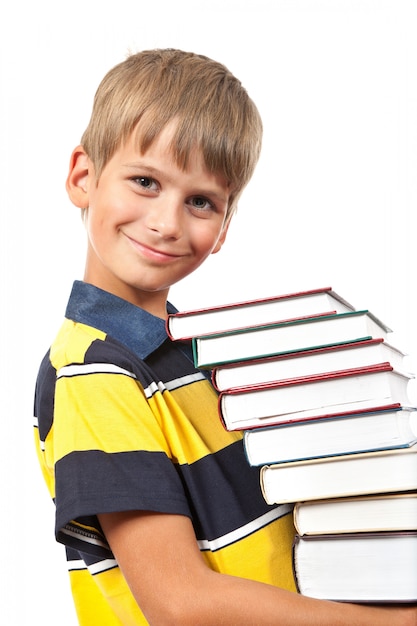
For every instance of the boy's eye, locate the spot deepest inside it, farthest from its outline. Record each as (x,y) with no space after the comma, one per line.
(198,202)
(145,181)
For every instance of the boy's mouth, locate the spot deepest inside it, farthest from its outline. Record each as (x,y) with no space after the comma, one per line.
(153,253)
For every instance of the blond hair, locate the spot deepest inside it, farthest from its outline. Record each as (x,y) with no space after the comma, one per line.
(211,109)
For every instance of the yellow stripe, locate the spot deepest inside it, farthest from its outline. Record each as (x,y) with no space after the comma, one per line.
(104,599)
(126,421)
(192,433)
(46,468)
(117,409)
(72,342)
(276,540)
(103,412)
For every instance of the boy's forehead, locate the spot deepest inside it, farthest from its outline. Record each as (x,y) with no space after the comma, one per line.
(167,142)
(144,136)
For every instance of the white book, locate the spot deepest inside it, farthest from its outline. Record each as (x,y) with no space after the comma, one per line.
(306,363)
(286,337)
(316,396)
(331,436)
(390,512)
(379,567)
(340,476)
(197,322)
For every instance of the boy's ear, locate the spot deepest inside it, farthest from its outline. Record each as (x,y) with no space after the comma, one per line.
(77,183)
(221,239)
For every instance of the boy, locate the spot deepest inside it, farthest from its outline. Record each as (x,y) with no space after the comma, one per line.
(161,515)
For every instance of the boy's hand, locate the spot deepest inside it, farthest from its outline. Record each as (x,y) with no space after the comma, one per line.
(167,574)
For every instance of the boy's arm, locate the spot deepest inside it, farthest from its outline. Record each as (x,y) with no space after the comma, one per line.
(160,559)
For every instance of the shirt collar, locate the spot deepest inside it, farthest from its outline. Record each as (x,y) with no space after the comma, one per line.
(137,329)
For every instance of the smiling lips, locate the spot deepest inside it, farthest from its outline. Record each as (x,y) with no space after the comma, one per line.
(153,253)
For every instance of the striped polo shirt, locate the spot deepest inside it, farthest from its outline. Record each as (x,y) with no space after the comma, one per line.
(124,421)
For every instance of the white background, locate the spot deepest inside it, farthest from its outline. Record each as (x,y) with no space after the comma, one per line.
(333,201)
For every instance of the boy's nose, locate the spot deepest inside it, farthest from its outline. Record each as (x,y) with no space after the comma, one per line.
(166,217)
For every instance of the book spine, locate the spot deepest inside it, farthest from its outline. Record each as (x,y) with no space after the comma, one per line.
(194,351)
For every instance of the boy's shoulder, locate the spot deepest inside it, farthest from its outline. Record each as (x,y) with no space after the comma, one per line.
(72,343)
(80,349)
(83,350)
(103,334)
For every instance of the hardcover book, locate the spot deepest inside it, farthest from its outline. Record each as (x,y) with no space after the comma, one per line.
(285,337)
(382,512)
(307,362)
(333,393)
(188,324)
(340,476)
(331,436)
(376,567)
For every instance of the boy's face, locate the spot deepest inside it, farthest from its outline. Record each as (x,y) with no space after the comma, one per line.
(149,223)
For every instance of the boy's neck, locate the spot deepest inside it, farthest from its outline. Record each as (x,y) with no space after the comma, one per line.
(97,274)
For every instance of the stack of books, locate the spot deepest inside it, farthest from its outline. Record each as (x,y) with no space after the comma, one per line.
(328,413)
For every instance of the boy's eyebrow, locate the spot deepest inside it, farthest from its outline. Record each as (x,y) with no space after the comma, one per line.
(153,171)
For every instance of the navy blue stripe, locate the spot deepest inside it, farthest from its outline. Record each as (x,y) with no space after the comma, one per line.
(169,362)
(91,482)
(44,396)
(111,351)
(225,492)
(89,559)
(222,488)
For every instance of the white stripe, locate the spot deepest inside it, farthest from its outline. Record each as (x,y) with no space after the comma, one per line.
(92,368)
(76,565)
(102,566)
(245,531)
(41,442)
(95,568)
(154,388)
(172,384)
(184,380)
